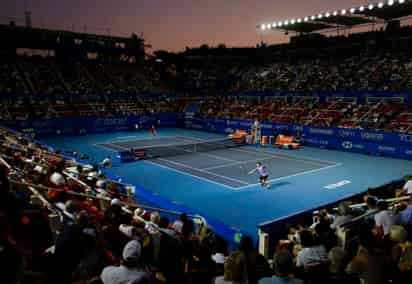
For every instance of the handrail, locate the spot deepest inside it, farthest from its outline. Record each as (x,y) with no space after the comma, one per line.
(129,204)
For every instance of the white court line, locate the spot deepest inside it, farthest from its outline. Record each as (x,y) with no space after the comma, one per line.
(124,137)
(147,138)
(294,175)
(101,145)
(290,158)
(236,163)
(203,171)
(215,157)
(188,174)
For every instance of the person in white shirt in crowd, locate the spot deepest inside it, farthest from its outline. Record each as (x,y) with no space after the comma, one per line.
(131,269)
(107,162)
(384,219)
(57,178)
(344,215)
(407,188)
(311,254)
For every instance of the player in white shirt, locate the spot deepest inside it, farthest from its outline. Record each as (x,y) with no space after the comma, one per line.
(263,174)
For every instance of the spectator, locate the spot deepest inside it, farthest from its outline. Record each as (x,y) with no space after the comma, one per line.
(405,215)
(344,215)
(311,255)
(384,219)
(283,268)
(131,269)
(235,270)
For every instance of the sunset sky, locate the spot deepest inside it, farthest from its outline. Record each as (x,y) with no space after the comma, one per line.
(170,24)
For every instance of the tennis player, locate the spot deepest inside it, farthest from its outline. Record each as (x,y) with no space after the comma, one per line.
(153,130)
(263,174)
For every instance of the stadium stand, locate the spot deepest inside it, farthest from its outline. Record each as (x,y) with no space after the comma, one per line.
(66,222)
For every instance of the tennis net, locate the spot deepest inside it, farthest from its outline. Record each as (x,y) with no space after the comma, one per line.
(152,152)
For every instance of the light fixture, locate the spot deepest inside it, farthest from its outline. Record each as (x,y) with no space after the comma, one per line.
(401,1)
(343,12)
(352,10)
(370,7)
(320,16)
(274,25)
(312,18)
(327,15)
(335,13)
(299,20)
(380,5)
(280,24)
(286,23)
(361,9)
(263,27)
(391,2)
(306,19)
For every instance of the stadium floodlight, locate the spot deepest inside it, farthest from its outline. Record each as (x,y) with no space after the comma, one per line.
(263,27)
(285,23)
(312,18)
(335,13)
(401,1)
(371,6)
(380,5)
(352,10)
(299,20)
(361,9)
(293,21)
(391,2)
(280,24)
(274,25)
(327,14)
(343,12)
(306,19)
(320,16)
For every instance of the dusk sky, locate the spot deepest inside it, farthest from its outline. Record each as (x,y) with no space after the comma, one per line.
(171,24)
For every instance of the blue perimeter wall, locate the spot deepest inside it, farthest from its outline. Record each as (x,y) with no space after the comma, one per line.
(388,144)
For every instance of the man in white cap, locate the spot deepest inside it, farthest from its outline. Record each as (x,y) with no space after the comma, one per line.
(131,270)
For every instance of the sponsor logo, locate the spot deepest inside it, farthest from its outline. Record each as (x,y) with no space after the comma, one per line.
(196,126)
(338,184)
(110,121)
(372,136)
(346,133)
(347,144)
(267,126)
(321,131)
(386,149)
(405,137)
(317,141)
(298,127)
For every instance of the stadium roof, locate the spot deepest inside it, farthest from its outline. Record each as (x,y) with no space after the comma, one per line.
(346,18)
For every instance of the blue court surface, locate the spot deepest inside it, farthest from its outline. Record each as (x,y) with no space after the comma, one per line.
(216,183)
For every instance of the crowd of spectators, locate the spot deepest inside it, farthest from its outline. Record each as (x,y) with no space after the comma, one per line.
(364,72)
(65,222)
(38,75)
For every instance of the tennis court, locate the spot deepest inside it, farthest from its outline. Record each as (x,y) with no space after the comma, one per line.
(227,167)
(307,178)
